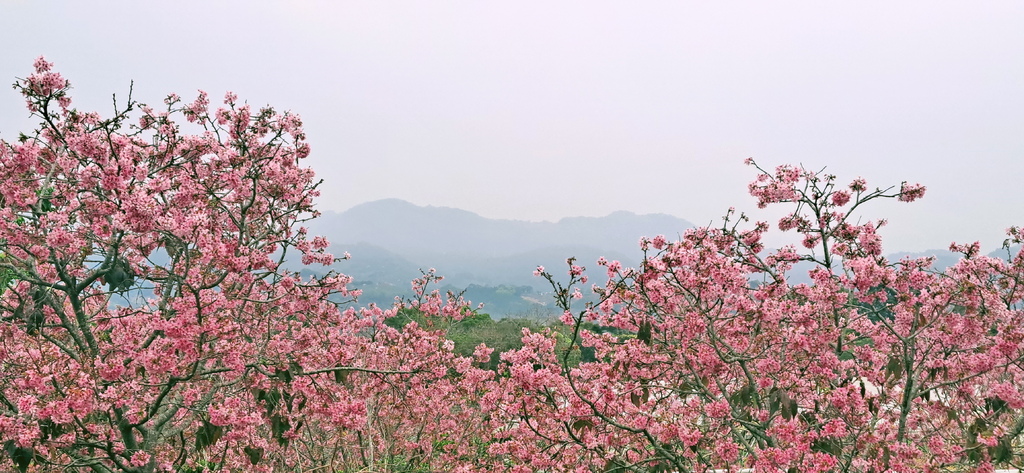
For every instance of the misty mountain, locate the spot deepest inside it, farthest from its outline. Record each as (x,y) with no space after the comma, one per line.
(391,240)
(408,229)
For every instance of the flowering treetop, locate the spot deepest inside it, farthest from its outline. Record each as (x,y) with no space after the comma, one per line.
(147,323)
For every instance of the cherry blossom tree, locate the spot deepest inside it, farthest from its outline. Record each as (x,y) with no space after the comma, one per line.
(147,322)
(148,325)
(710,359)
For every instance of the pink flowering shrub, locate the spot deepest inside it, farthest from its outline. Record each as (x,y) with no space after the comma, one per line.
(147,324)
(706,357)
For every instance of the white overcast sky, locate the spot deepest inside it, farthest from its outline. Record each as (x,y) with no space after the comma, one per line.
(540,110)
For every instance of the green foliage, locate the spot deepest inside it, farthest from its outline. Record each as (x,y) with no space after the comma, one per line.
(7,275)
(475,328)
(502,335)
(407,315)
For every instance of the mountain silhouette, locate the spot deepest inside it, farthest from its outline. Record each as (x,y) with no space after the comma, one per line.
(391,239)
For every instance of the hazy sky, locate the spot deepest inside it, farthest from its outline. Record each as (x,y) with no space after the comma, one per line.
(540,110)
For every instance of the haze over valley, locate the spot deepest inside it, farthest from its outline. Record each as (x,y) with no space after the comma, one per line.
(493,260)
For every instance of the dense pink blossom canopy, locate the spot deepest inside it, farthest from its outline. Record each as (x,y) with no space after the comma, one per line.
(148,325)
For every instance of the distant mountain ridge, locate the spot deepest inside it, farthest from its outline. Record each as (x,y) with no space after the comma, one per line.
(391,239)
(386,223)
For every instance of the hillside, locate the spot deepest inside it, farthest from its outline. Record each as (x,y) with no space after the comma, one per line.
(390,240)
(493,260)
